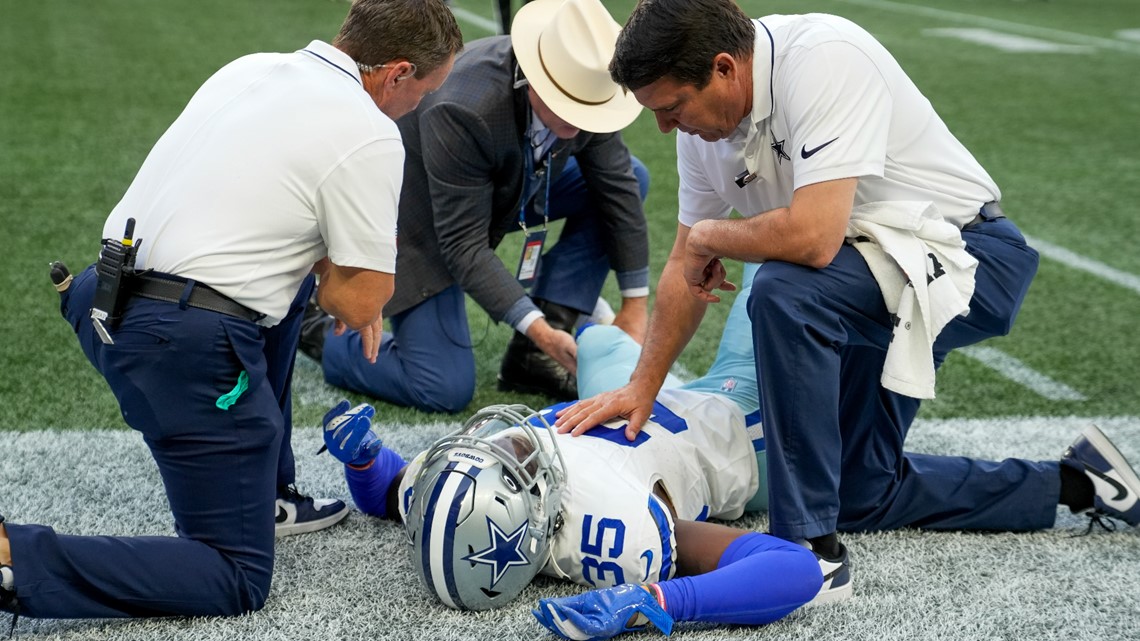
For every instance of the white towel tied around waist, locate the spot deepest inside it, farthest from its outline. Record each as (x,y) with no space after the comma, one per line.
(927,278)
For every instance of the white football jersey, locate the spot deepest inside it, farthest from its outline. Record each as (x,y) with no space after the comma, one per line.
(615,529)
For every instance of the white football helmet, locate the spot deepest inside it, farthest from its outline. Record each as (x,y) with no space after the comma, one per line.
(485,506)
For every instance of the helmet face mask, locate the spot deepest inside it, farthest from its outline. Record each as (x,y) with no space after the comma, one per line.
(484,508)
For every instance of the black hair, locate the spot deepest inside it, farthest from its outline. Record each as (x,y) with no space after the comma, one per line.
(679,39)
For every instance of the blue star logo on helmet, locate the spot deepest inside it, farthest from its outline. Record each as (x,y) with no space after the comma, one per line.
(504,552)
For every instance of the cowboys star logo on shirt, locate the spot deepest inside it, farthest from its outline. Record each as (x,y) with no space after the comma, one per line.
(505,550)
(781,155)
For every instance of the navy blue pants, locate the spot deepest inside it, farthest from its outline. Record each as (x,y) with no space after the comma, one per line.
(835,437)
(427,360)
(220,466)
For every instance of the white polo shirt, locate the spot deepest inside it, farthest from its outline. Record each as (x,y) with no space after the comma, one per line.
(830,102)
(277,161)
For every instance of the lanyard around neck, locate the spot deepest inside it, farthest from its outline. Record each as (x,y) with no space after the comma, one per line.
(528,175)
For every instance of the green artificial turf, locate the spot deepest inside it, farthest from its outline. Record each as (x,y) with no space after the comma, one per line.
(87,88)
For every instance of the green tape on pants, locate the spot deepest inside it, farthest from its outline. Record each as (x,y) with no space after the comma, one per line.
(226,400)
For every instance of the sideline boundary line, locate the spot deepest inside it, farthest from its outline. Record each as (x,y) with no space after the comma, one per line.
(1020,373)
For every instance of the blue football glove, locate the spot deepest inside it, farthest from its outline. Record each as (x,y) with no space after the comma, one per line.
(348,433)
(602,614)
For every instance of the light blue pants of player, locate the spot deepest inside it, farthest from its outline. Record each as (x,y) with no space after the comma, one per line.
(427,360)
(835,437)
(220,466)
(607,357)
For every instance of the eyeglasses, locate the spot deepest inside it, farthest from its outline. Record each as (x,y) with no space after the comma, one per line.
(369,69)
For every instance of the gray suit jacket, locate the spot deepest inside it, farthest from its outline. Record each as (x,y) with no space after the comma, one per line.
(463,184)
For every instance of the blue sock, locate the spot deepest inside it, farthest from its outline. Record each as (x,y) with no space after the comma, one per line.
(759,579)
(369,487)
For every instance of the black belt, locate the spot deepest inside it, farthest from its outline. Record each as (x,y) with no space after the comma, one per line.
(172,289)
(989,211)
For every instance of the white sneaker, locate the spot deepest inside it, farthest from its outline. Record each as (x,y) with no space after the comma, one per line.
(298,514)
(1115,483)
(836,577)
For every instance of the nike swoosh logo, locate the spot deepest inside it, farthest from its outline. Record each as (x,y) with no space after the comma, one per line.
(806,153)
(648,556)
(282,515)
(1121,491)
(829,569)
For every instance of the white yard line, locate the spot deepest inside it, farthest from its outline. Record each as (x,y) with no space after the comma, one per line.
(1003,25)
(1017,371)
(1007,41)
(474,19)
(1085,264)
(1022,374)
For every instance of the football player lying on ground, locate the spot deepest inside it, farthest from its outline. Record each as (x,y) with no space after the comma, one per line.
(599,536)
(490,506)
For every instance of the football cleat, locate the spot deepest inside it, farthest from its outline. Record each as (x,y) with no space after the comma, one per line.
(298,514)
(836,577)
(1115,484)
(603,614)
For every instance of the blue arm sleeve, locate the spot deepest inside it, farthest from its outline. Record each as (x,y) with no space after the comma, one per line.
(759,579)
(369,487)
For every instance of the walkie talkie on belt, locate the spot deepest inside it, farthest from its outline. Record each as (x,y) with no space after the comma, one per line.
(116,265)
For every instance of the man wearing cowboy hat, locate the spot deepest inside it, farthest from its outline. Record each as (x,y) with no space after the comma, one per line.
(523,132)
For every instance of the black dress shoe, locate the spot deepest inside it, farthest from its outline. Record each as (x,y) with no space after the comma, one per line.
(315,326)
(528,369)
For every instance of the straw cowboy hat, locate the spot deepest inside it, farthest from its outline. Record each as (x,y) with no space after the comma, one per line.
(564,48)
